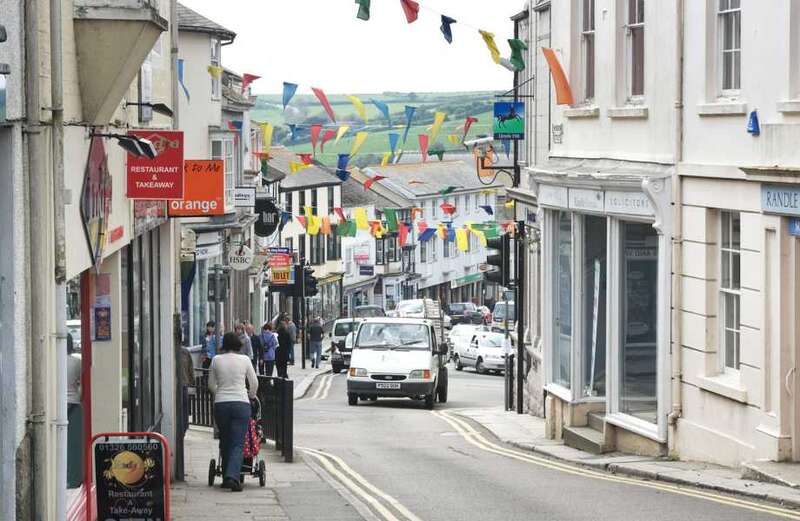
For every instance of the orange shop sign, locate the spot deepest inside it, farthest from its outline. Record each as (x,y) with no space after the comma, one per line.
(204,189)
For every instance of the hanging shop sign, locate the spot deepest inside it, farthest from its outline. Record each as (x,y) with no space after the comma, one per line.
(162,177)
(269,217)
(280,260)
(281,276)
(244,197)
(367,271)
(509,120)
(130,480)
(240,259)
(203,190)
(95,205)
(361,254)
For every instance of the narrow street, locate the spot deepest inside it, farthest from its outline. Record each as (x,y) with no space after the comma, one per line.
(413,464)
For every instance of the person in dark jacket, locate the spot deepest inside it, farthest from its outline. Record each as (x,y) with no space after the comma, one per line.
(285,345)
(315,334)
(258,347)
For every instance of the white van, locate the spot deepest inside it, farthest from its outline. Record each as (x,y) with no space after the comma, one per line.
(397,358)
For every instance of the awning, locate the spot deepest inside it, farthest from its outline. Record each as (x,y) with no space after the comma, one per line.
(361,285)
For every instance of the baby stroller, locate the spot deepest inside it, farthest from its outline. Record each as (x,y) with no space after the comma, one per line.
(252,464)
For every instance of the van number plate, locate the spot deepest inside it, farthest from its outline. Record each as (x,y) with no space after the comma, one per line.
(387,386)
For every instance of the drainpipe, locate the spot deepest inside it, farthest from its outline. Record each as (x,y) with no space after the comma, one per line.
(677,233)
(38,185)
(57,111)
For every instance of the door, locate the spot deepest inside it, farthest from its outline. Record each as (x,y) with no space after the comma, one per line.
(472,351)
(792,381)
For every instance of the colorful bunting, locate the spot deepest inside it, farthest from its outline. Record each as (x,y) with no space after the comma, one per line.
(360,216)
(386,157)
(510,205)
(323,99)
(312,225)
(448,208)
(426,235)
(341,167)
(347,229)
(467,124)
(359,141)
(326,226)
(306,158)
(247,79)
(517,46)
(181,82)
(448,190)
(488,38)
(563,90)
(285,218)
(411,10)
(438,120)
(372,180)
(363,9)
(266,135)
(409,117)
(301,220)
(441,231)
(454,139)
(402,234)
(423,146)
(376,229)
(315,130)
(292,132)
(340,213)
(414,212)
(215,72)
(393,139)
(391,219)
(437,150)
(341,132)
(295,167)
(327,136)
(486,208)
(422,226)
(462,240)
(289,89)
(383,108)
(361,110)
(447,31)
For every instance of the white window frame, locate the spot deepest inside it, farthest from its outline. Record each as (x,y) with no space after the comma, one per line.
(229,164)
(732,292)
(216,61)
(588,32)
(638,23)
(731,8)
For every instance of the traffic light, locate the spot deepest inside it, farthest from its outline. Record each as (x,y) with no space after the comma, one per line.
(309,282)
(499,260)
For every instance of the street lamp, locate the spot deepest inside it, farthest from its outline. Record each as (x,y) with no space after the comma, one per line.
(137,146)
(158,108)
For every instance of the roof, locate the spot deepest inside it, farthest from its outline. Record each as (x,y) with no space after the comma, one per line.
(314,175)
(435,176)
(353,194)
(189,20)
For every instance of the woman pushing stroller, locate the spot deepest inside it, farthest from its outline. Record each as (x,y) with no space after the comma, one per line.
(233,382)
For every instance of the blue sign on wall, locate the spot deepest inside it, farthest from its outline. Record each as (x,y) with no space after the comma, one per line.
(794,226)
(781,199)
(509,120)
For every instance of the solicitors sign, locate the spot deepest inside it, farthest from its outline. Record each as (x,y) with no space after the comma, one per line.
(162,177)
(204,190)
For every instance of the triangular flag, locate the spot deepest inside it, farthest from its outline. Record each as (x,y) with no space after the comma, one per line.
(341,132)
(181,82)
(423,146)
(386,157)
(360,108)
(247,79)
(266,135)
(507,147)
(393,139)
(447,31)
(448,208)
(340,213)
(314,225)
(422,226)
(426,235)
(327,136)
(215,72)
(462,240)
(402,234)
(409,117)
(517,46)
(411,10)
(391,219)
(295,167)
(383,108)
(441,231)
(438,119)
(344,160)
(289,90)
(563,90)
(454,139)
(305,158)
(301,220)
(376,229)
(363,9)
(360,216)
(315,130)
(488,38)
(486,208)
(360,138)
(285,218)
(438,151)
(414,212)
(372,180)
(326,226)
(467,124)
(323,99)
(292,132)
(509,205)
(344,175)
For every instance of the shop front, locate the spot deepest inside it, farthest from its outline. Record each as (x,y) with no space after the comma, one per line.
(606,302)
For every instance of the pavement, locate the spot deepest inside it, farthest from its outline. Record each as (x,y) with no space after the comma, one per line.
(767,481)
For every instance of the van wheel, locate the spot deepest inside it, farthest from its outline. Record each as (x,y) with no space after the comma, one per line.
(429,401)
(479,367)
(459,365)
(352,399)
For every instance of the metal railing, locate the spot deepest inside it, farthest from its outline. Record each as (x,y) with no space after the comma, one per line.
(201,401)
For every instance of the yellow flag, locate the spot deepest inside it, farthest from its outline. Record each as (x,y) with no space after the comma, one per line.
(454,139)
(266,135)
(341,132)
(360,109)
(438,119)
(360,215)
(360,138)
(442,231)
(386,157)
(490,43)
(509,205)
(312,222)
(215,72)
(462,240)
(479,234)
(295,167)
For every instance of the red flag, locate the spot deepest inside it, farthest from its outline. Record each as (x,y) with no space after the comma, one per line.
(423,146)
(422,226)
(247,79)
(323,99)
(411,9)
(402,234)
(301,220)
(340,213)
(315,130)
(305,158)
(327,136)
(371,181)
(261,155)
(448,208)
(414,212)
(467,124)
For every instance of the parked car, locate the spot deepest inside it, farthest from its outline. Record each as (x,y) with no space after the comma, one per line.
(397,357)
(486,351)
(464,313)
(74,330)
(340,353)
(501,310)
(368,311)
(459,338)
(420,308)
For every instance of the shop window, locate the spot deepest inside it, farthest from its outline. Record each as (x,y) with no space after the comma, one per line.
(331,202)
(562,296)
(730,289)
(635,44)
(423,251)
(380,251)
(302,205)
(216,53)
(730,45)
(638,358)
(432,249)
(588,48)
(595,257)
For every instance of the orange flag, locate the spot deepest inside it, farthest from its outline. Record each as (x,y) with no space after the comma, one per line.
(326,226)
(563,90)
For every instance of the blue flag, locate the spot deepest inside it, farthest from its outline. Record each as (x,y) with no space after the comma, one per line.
(427,234)
(409,117)
(180,80)
(293,131)
(488,209)
(447,31)
(384,109)
(393,139)
(341,167)
(288,93)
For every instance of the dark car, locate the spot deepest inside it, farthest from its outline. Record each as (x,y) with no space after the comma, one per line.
(368,312)
(464,313)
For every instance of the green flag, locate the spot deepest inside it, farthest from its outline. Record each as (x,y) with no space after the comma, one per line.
(517,46)
(363,9)
(448,190)
(391,219)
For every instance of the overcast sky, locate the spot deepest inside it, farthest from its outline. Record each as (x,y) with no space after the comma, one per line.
(321,43)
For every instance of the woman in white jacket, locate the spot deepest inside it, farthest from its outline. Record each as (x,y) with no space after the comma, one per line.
(227,376)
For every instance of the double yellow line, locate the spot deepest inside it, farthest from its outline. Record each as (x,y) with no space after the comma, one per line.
(476,439)
(324,387)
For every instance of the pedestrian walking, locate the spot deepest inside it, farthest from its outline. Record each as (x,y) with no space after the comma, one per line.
(258,346)
(74,416)
(186,378)
(285,346)
(234,383)
(247,346)
(270,342)
(315,334)
(292,327)
(209,344)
